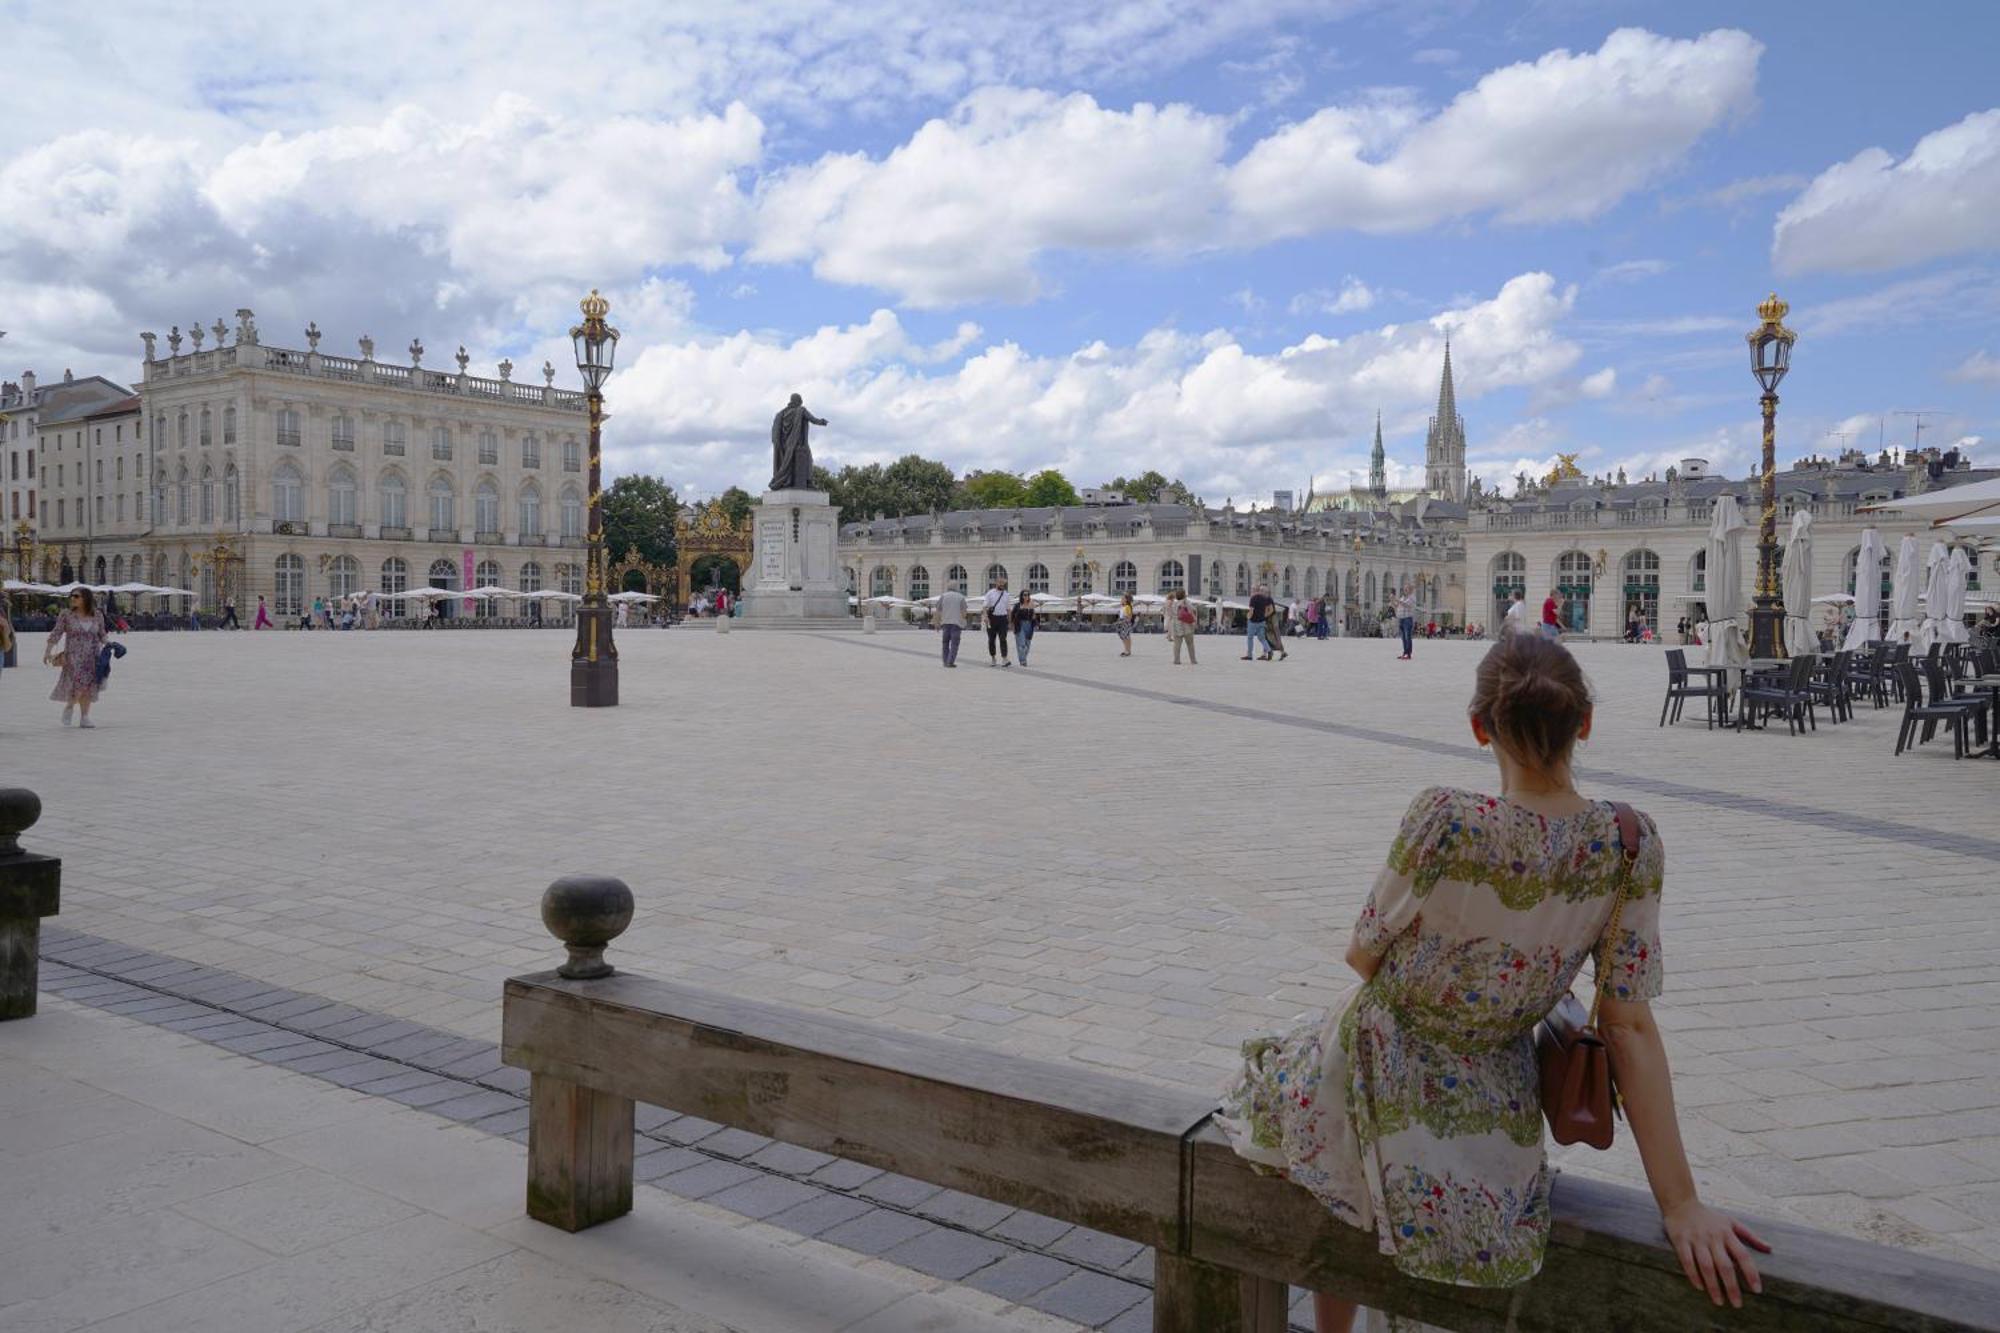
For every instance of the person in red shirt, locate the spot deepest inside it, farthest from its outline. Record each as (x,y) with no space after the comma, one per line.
(1551,621)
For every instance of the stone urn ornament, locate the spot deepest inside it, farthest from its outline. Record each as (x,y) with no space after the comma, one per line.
(461,358)
(195,334)
(416,351)
(367,348)
(174,340)
(506,370)
(312,336)
(548,374)
(220,330)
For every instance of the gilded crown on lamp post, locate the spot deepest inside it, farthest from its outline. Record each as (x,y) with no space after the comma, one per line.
(595,307)
(1773,310)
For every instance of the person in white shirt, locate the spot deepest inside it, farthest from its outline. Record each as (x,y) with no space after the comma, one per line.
(998,606)
(950,622)
(1516,619)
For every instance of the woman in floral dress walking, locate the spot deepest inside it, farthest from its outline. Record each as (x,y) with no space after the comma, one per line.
(1411,1108)
(81,632)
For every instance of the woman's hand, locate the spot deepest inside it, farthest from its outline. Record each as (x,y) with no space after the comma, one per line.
(1712,1247)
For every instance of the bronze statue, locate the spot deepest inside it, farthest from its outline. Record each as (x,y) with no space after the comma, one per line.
(791,455)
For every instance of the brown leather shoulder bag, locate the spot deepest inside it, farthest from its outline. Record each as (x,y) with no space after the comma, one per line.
(1579,1098)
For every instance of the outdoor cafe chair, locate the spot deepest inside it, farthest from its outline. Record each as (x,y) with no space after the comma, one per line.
(1917,713)
(1829,686)
(1946,692)
(1681,688)
(1789,693)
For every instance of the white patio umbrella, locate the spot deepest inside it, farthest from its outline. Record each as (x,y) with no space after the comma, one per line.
(489,590)
(1904,586)
(1935,597)
(16,585)
(1727,645)
(631,597)
(1948,505)
(1951,620)
(1867,592)
(1795,582)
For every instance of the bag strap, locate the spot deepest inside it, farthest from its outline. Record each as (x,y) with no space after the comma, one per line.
(1628,846)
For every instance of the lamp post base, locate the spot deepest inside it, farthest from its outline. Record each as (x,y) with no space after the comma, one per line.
(593,667)
(1767,629)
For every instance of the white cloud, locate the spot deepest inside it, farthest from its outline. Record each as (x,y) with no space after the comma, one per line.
(1561,138)
(1230,420)
(961,211)
(1979,368)
(1631,270)
(1600,384)
(1873,212)
(1354,294)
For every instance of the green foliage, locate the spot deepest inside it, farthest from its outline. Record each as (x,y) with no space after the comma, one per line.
(1149,487)
(736,502)
(1048,487)
(639,513)
(990,490)
(910,485)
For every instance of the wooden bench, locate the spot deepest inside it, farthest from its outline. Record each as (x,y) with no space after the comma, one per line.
(1125,1157)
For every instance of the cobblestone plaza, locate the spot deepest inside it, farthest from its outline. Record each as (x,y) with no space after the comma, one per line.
(1114,862)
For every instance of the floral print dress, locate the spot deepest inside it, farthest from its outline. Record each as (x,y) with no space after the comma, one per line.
(82,637)
(1413,1107)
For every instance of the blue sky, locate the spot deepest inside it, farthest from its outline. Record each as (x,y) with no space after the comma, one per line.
(1209,239)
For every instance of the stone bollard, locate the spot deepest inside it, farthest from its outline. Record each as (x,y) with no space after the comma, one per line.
(29,887)
(722,624)
(867,622)
(586,912)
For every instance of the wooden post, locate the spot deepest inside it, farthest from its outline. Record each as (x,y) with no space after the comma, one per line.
(29,891)
(1190,1296)
(579,1154)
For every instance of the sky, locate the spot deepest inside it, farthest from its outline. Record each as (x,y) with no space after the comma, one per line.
(1214,240)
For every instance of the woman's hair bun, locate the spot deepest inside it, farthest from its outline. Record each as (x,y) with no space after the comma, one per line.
(1532,698)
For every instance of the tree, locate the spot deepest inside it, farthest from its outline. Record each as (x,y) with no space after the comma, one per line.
(917,485)
(990,490)
(736,503)
(639,514)
(1151,488)
(1049,487)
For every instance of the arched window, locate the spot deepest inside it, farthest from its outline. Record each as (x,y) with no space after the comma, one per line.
(1214,577)
(343,576)
(1124,577)
(100,569)
(572,513)
(1573,581)
(183,497)
(882,583)
(229,424)
(487,575)
(444,509)
(290,585)
(341,497)
(1312,581)
(1242,579)
(1510,576)
(1038,578)
(489,449)
(1079,578)
(486,510)
(531,510)
(920,583)
(207,493)
(118,569)
(441,443)
(955,578)
(995,574)
(531,577)
(1641,577)
(1368,586)
(160,434)
(207,427)
(1287,584)
(232,492)
(288,494)
(444,574)
(395,582)
(571,578)
(395,501)
(1173,576)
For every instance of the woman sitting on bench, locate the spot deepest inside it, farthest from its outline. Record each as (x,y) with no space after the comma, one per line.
(1411,1107)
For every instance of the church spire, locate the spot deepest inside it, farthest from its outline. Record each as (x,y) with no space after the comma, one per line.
(1378,464)
(1447,399)
(1444,443)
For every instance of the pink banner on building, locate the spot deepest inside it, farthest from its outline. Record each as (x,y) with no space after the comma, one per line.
(468,584)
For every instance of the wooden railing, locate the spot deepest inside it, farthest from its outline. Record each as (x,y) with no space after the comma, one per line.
(1133,1159)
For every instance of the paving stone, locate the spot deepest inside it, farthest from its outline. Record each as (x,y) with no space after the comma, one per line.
(1031,1229)
(1017,1276)
(475,1105)
(818,1213)
(664,1162)
(736,1143)
(707,1177)
(429,1094)
(764,1196)
(1088,1298)
(947,1253)
(898,1191)
(845,1175)
(788,1160)
(963,1210)
(1095,1248)
(876,1230)
(504,1122)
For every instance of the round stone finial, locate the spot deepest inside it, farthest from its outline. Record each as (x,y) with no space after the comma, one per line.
(586,912)
(19,809)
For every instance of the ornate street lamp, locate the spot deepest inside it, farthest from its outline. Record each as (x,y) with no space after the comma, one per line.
(1770,357)
(593,663)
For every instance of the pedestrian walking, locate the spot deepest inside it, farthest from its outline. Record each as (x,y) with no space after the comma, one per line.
(1406,618)
(7,643)
(229,620)
(1261,608)
(950,622)
(1552,617)
(1516,619)
(263,620)
(1025,619)
(1180,625)
(80,632)
(1126,616)
(1414,1114)
(997,609)
(1274,633)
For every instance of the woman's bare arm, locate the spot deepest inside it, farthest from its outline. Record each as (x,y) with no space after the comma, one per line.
(1712,1246)
(1363,962)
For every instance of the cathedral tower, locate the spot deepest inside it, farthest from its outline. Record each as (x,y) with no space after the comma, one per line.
(1444,443)
(1378,466)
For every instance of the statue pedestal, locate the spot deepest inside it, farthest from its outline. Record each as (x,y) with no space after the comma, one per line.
(794,579)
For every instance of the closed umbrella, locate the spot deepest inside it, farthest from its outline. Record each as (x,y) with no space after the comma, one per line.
(1867,592)
(1951,621)
(1727,645)
(1796,584)
(1935,600)
(1904,586)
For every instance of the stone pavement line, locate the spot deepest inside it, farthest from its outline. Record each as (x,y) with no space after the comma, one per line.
(1839,821)
(1074,1273)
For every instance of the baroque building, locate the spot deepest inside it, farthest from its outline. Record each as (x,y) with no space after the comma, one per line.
(300,474)
(1614,548)
(37,421)
(1356,560)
